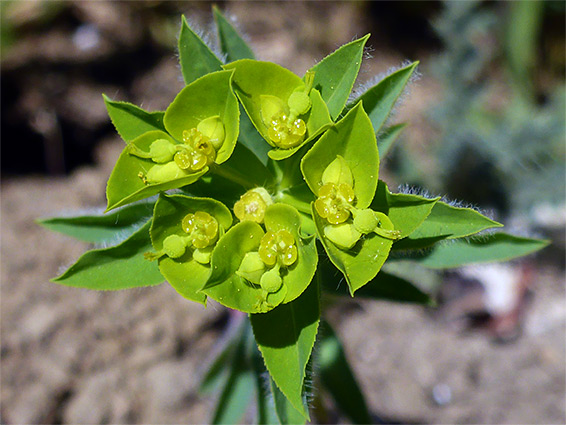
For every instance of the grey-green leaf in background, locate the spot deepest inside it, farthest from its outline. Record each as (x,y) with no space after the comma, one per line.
(132,121)
(285,337)
(239,388)
(231,43)
(336,73)
(338,379)
(119,267)
(195,56)
(102,228)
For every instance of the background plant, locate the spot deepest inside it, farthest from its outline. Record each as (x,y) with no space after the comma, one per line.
(416,218)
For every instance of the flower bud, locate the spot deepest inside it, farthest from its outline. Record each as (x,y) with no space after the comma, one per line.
(213,128)
(161,173)
(271,281)
(174,246)
(161,151)
(365,221)
(299,103)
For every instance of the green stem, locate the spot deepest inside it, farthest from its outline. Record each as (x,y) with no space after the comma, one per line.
(294,202)
(232,175)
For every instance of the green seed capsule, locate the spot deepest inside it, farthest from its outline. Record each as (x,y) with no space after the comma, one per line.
(202,255)
(344,235)
(338,172)
(271,281)
(174,246)
(213,128)
(365,221)
(251,268)
(385,227)
(299,103)
(162,151)
(161,173)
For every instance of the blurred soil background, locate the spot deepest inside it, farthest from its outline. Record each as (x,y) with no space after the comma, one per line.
(494,349)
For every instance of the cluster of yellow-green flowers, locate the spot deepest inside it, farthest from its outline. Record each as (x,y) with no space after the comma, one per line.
(336,203)
(173,160)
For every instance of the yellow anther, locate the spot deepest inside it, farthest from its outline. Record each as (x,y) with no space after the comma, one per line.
(202,228)
(196,152)
(278,247)
(334,202)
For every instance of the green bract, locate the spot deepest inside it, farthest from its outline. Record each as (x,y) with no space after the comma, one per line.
(242,201)
(202,128)
(284,109)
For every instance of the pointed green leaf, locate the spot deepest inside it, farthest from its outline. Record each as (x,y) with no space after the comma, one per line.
(446,222)
(387,138)
(338,379)
(484,249)
(131,121)
(119,267)
(407,212)
(286,413)
(255,81)
(239,388)
(359,264)
(185,274)
(102,228)
(352,138)
(379,100)
(266,413)
(125,184)
(297,276)
(224,285)
(195,56)
(231,43)
(336,73)
(285,336)
(208,96)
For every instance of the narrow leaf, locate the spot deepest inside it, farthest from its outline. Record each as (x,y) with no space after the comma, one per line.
(379,100)
(285,337)
(387,138)
(338,378)
(239,388)
(119,267)
(231,43)
(407,212)
(286,413)
(485,249)
(447,222)
(336,73)
(195,56)
(102,228)
(132,121)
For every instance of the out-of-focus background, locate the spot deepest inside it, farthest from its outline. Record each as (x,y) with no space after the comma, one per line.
(487,127)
